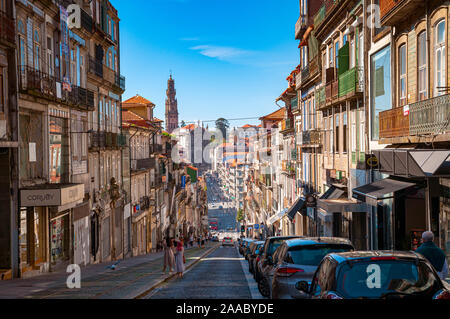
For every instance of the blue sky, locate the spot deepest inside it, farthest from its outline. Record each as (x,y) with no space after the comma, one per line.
(229,58)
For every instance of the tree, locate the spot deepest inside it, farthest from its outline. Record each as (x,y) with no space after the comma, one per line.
(240,215)
(222,125)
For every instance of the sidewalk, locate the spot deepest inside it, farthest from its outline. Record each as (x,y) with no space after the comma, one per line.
(131,278)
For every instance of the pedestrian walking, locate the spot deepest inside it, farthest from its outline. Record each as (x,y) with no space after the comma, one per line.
(198,241)
(169,258)
(434,254)
(191,240)
(179,259)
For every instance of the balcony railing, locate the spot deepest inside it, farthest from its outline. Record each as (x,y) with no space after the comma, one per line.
(96,67)
(120,81)
(351,81)
(332,91)
(426,117)
(393,123)
(121,140)
(431,116)
(288,167)
(7,28)
(298,80)
(320,97)
(287,124)
(39,83)
(300,27)
(305,73)
(312,137)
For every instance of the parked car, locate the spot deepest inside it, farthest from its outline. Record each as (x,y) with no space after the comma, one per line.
(255,255)
(246,250)
(227,241)
(298,260)
(242,245)
(266,262)
(375,275)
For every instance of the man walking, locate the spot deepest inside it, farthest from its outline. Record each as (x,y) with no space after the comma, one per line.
(434,254)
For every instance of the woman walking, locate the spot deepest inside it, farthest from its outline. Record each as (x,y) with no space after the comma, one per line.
(179,259)
(169,258)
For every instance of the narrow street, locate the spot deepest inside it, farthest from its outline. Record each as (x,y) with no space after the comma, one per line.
(221,275)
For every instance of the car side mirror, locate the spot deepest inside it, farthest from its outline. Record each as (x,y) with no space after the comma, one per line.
(302,286)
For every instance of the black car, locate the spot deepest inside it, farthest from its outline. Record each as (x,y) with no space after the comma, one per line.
(375,275)
(271,244)
(255,254)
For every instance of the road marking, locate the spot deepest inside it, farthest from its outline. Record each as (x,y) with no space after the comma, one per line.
(252,285)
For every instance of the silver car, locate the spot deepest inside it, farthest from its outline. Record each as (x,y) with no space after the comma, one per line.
(298,259)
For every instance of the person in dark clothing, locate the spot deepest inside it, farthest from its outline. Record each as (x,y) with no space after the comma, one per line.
(433,254)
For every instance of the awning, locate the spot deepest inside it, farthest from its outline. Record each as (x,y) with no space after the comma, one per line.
(334,193)
(342,205)
(298,205)
(277,217)
(380,190)
(413,162)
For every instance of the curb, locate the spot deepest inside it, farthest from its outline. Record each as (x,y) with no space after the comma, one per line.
(170,277)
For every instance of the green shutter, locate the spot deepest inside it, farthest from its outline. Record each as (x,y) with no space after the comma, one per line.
(192,174)
(344,58)
(313,46)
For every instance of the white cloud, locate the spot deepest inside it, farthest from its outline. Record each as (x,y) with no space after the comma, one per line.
(220,52)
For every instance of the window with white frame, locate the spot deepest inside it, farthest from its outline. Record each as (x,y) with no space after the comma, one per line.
(402,74)
(422,65)
(440,67)
(353,130)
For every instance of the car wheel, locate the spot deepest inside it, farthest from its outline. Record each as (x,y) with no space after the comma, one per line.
(263,288)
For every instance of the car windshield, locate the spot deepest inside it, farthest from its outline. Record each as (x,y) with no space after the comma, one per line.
(312,255)
(382,278)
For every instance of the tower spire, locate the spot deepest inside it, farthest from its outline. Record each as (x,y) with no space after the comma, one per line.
(171,106)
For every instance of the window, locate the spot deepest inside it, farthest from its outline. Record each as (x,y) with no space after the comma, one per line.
(380,92)
(353,131)
(336,54)
(362,135)
(37,51)
(331,132)
(422,66)
(50,56)
(345,130)
(439,50)
(402,75)
(73,67)
(352,53)
(330,56)
(336,133)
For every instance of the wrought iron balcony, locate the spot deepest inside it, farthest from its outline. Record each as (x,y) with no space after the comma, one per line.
(120,81)
(431,116)
(300,27)
(38,83)
(428,117)
(305,73)
(312,137)
(332,91)
(95,67)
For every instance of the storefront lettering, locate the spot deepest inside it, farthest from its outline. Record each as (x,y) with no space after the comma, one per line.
(41,198)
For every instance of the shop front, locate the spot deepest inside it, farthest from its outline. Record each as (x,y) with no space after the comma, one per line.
(139,226)
(46,226)
(408,202)
(81,234)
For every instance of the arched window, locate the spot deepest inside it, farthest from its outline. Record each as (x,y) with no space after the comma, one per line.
(20,27)
(422,65)
(402,75)
(439,51)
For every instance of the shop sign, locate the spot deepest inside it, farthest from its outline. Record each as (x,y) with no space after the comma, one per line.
(51,197)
